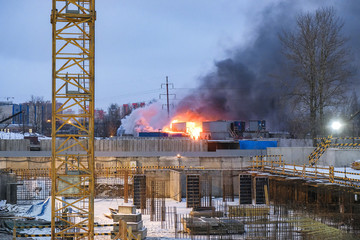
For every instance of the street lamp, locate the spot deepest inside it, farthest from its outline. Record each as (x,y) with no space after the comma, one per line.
(336,125)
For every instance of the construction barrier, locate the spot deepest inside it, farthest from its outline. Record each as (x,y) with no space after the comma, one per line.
(278,167)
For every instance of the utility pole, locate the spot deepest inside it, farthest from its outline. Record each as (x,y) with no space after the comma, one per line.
(167,95)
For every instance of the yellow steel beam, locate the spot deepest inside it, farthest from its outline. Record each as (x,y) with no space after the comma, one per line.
(72,172)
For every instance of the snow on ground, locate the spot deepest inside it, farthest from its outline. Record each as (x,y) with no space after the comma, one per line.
(42,210)
(12,135)
(153,228)
(16,209)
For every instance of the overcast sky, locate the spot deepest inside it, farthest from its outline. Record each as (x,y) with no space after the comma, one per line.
(138,44)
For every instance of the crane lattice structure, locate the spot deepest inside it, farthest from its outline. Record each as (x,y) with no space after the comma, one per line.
(72,166)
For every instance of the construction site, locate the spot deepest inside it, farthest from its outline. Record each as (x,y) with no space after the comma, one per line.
(184,191)
(195,178)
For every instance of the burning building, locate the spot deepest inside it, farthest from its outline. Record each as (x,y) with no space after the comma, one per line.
(153,122)
(220,130)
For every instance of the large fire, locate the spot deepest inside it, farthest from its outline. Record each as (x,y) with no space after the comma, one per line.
(192,129)
(188,123)
(152,119)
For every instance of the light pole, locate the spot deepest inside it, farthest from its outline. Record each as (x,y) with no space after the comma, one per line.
(336,125)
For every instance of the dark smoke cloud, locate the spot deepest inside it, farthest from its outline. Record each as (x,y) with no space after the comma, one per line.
(247,85)
(349,11)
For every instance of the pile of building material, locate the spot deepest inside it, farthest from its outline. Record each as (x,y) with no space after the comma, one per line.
(127,214)
(212,226)
(249,211)
(205,212)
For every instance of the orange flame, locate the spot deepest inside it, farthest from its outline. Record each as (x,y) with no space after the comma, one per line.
(194,129)
(191,128)
(189,123)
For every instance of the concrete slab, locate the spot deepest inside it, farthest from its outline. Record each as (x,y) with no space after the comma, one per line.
(127,217)
(127,209)
(135,226)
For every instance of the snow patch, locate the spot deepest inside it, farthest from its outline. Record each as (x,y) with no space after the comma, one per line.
(41,210)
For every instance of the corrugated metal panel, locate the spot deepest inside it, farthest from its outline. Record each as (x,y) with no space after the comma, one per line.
(216,126)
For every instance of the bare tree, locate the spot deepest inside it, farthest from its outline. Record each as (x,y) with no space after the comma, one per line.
(351,116)
(320,63)
(40,114)
(36,99)
(112,119)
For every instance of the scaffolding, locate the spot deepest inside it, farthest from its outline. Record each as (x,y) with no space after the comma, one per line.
(72,171)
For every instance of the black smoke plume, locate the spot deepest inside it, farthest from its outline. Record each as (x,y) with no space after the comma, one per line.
(248,85)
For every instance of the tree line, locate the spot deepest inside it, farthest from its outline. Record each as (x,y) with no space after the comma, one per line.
(319,61)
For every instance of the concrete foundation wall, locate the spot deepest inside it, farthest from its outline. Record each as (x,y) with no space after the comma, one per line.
(139,145)
(188,162)
(175,185)
(123,144)
(284,142)
(25,162)
(292,155)
(177,182)
(339,157)
(158,176)
(14,145)
(5,180)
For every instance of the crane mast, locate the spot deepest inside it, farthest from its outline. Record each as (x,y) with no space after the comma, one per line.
(72,165)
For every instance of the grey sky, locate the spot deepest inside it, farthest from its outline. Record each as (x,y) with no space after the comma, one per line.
(138,43)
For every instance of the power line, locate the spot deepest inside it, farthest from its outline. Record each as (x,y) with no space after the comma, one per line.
(167,95)
(217,88)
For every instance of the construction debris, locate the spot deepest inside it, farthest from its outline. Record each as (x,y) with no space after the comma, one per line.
(212,226)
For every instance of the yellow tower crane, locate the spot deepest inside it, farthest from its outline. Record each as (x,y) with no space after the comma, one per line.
(72,166)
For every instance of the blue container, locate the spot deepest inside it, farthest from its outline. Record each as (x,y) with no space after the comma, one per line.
(260,145)
(177,135)
(153,134)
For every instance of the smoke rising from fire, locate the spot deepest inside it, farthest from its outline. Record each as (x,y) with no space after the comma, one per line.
(148,119)
(247,85)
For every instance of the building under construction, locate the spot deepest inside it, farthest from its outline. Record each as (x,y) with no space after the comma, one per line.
(226,194)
